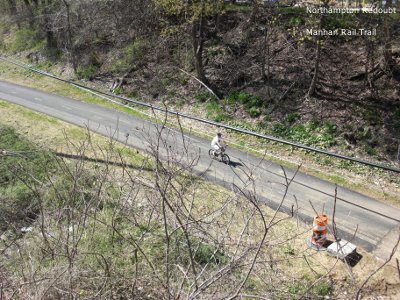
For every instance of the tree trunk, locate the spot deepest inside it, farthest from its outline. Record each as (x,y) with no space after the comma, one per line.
(254,11)
(198,44)
(12,6)
(266,64)
(313,84)
(50,39)
(314,80)
(31,17)
(198,29)
(387,52)
(369,61)
(69,37)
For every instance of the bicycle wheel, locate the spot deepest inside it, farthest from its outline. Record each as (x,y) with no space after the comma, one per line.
(211,153)
(225,159)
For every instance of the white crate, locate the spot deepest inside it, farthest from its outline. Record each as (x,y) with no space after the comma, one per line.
(341,249)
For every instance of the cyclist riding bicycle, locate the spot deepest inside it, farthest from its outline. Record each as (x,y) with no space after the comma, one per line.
(217,150)
(216,144)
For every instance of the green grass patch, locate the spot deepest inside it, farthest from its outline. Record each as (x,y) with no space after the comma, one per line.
(22,154)
(76,133)
(23,165)
(4,104)
(25,39)
(312,133)
(35,116)
(215,112)
(87,72)
(204,97)
(132,53)
(229,7)
(252,104)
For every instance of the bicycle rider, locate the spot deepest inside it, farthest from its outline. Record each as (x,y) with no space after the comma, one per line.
(216,144)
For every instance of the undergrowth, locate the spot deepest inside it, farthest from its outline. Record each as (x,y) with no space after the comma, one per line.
(21,164)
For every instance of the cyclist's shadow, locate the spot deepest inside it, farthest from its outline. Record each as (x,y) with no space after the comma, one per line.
(235,164)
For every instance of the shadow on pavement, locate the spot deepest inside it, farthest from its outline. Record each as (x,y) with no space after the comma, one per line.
(101,161)
(235,164)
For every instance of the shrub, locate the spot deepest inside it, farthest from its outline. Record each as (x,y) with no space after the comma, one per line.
(249,100)
(292,117)
(370,150)
(118,91)
(232,98)
(205,255)
(18,206)
(212,108)
(132,94)
(313,124)
(254,112)
(203,96)
(395,118)
(296,20)
(251,103)
(280,130)
(86,72)
(322,289)
(214,112)
(29,158)
(66,190)
(132,53)
(330,128)
(221,117)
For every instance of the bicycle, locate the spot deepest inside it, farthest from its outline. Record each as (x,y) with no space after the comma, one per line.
(220,155)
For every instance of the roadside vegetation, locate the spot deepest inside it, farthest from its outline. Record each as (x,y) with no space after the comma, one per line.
(106,222)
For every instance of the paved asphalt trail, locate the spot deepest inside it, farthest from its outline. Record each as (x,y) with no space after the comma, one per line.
(372,219)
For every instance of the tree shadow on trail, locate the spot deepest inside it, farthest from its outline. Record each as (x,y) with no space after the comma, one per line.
(101,161)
